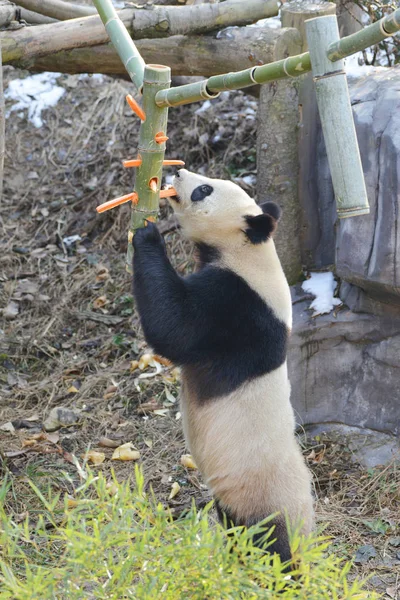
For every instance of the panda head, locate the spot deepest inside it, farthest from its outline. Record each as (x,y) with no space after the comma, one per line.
(218,212)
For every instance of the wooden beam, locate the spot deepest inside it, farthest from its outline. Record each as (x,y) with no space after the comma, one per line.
(186,55)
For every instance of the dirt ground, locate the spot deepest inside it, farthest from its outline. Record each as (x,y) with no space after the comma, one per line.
(69,335)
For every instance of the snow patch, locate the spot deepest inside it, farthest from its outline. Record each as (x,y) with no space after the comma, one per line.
(34,93)
(355,66)
(322,286)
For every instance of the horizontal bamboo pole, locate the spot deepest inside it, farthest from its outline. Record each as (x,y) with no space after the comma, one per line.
(293,66)
(195,55)
(122,41)
(371,35)
(58,9)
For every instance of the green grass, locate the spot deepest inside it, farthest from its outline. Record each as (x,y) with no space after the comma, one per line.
(126,545)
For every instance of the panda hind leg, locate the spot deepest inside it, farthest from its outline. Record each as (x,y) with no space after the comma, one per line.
(279,546)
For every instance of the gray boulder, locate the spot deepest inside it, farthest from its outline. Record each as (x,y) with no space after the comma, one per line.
(345,368)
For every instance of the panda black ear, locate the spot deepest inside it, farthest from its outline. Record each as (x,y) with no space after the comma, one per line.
(270,208)
(260,227)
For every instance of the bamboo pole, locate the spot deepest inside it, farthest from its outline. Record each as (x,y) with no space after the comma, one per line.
(122,41)
(151,153)
(337,119)
(293,66)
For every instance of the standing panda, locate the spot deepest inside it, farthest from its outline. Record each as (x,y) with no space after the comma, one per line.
(227,327)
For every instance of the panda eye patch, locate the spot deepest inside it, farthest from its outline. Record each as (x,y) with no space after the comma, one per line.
(201,192)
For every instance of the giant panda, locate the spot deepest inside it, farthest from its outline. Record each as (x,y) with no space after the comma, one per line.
(227,327)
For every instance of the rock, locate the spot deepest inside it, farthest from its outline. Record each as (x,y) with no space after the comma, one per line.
(369,448)
(368,248)
(345,368)
(61,417)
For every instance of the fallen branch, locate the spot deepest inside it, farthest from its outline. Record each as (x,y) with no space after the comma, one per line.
(186,55)
(34,18)
(141,23)
(57,9)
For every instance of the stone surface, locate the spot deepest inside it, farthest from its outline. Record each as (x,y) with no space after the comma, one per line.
(367,248)
(61,416)
(369,448)
(345,368)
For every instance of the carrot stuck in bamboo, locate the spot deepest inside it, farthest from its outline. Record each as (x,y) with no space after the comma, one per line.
(168,193)
(153,184)
(138,110)
(136,162)
(160,137)
(133,197)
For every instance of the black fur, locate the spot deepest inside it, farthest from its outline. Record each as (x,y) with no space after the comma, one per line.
(211,322)
(201,192)
(206,253)
(270,208)
(279,537)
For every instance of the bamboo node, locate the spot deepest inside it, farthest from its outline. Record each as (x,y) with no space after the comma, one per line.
(138,110)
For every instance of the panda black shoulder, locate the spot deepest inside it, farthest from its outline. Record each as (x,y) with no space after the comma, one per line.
(240,337)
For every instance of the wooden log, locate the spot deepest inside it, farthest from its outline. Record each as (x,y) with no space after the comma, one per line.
(58,9)
(7,13)
(337,119)
(159,22)
(310,228)
(277,144)
(34,18)
(186,55)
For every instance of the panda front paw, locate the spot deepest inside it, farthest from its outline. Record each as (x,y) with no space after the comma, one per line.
(147,235)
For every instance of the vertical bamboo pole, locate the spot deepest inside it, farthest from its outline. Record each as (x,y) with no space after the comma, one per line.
(337,119)
(151,152)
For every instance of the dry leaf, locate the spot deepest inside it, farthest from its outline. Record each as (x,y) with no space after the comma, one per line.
(72,390)
(96,458)
(169,396)
(149,443)
(175,489)
(126,452)
(150,406)
(54,437)
(71,502)
(134,365)
(29,443)
(102,273)
(107,443)
(162,360)
(188,462)
(144,361)
(100,302)
(11,310)
(112,488)
(161,412)
(9,427)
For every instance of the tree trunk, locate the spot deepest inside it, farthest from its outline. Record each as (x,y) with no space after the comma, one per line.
(277,143)
(186,55)
(311,226)
(62,11)
(160,22)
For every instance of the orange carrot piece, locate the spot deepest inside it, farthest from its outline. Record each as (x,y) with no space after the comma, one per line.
(173,163)
(135,162)
(168,193)
(153,184)
(138,110)
(160,137)
(117,201)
